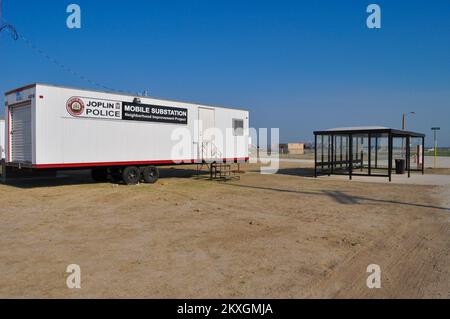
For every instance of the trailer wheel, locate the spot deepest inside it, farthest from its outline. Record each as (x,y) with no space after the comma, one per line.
(150,174)
(99,175)
(131,175)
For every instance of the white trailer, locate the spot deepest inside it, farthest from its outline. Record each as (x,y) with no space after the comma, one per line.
(58,128)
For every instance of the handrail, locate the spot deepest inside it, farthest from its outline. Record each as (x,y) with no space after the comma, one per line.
(215,152)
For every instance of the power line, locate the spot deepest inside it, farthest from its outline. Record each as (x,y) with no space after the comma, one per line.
(10,28)
(62,66)
(4,25)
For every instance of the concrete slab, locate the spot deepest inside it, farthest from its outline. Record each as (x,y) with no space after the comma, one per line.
(427,180)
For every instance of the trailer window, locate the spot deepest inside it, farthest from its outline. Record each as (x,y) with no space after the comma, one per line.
(238,127)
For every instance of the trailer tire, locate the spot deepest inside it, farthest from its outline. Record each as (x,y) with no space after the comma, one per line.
(131,175)
(150,174)
(99,175)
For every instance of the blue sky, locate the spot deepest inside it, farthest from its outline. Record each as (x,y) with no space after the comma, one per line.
(296,65)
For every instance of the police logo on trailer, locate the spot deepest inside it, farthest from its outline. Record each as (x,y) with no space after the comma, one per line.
(82,107)
(75,106)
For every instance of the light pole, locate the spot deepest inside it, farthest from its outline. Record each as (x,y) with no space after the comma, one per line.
(404,128)
(435,130)
(404,119)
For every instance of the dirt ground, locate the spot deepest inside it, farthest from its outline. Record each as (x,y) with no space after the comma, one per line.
(264,236)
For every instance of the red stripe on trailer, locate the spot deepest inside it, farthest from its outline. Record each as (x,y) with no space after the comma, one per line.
(107,164)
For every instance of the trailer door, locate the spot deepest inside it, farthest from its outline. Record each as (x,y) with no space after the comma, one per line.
(21,134)
(206,147)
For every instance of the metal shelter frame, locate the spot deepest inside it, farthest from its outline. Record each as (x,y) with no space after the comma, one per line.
(339,154)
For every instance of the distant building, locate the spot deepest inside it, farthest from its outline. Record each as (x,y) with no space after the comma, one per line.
(309,146)
(292,148)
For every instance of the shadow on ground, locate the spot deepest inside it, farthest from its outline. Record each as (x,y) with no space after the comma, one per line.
(71,178)
(304,172)
(300,171)
(338,196)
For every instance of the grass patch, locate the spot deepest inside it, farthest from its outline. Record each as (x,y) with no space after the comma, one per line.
(444,153)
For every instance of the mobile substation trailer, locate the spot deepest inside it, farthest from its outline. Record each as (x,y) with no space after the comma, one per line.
(125,137)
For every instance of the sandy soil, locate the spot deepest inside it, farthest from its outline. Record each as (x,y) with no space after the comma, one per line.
(276,236)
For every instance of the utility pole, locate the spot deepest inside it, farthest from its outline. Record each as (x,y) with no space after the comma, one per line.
(435,130)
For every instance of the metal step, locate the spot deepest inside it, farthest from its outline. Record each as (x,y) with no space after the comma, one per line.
(220,171)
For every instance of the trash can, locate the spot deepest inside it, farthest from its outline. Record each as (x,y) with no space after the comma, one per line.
(400,166)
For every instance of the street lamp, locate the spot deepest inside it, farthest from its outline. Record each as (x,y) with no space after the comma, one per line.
(404,128)
(435,130)
(404,119)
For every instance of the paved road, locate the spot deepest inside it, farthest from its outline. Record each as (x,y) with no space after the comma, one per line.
(442,162)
